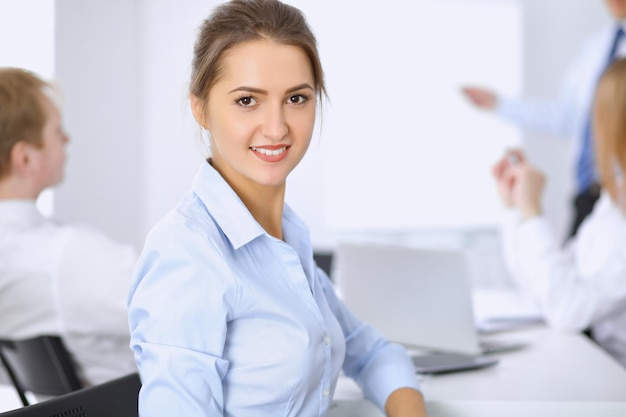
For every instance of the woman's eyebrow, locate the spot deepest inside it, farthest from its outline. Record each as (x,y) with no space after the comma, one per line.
(261,91)
(300,87)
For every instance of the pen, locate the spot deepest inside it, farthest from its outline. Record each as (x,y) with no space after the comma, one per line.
(512,158)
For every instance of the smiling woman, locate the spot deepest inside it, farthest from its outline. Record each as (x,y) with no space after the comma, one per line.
(260,115)
(228,311)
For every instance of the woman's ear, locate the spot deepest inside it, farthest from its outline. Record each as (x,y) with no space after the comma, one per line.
(197,108)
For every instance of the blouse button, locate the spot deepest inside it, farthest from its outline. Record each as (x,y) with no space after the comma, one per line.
(327,340)
(326,392)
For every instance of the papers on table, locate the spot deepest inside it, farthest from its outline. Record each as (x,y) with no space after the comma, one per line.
(498,310)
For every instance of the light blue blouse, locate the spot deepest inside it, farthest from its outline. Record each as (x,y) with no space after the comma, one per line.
(228,320)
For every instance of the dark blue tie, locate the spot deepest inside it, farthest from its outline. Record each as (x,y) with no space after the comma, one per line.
(585,172)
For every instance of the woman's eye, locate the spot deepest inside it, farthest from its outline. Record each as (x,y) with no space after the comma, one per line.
(298,99)
(246,101)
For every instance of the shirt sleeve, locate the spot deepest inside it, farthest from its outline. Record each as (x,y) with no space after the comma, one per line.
(549,115)
(92,283)
(508,226)
(180,294)
(378,366)
(574,287)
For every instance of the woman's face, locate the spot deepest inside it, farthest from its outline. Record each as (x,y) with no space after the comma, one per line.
(617,8)
(260,113)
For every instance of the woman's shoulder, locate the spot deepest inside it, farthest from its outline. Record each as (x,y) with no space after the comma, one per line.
(603,234)
(188,226)
(606,214)
(186,243)
(189,216)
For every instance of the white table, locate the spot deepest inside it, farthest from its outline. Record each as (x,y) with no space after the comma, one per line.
(557,374)
(9,400)
(362,408)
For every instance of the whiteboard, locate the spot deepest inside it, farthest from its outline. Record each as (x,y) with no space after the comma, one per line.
(402,149)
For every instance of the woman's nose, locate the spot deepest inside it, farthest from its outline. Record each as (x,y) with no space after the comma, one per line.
(275,124)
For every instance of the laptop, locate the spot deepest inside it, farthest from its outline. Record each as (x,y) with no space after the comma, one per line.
(421,298)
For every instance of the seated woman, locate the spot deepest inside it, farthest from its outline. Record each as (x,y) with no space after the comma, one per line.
(229,314)
(582,285)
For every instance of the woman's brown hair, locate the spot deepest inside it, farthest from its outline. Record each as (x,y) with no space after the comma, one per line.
(610,127)
(240,21)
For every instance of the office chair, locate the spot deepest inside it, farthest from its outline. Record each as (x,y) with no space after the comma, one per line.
(116,398)
(40,365)
(325,261)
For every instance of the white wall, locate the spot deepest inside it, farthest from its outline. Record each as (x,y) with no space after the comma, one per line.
(32,22)
(97,67)
(401,138)
(554,30)
(124,66)
(172,146)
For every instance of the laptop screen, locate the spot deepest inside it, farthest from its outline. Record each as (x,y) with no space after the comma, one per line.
(414,296)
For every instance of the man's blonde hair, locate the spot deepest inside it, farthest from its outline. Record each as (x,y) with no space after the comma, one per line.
(22,112)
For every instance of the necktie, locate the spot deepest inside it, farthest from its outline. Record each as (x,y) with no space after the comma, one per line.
(585,172)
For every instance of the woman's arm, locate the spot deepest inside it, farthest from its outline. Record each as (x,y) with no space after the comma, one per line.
(382,369)
(405,402)
(178,309)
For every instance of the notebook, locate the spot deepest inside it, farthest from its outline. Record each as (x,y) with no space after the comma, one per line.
(418,297)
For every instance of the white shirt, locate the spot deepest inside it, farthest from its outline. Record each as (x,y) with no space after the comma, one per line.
(70,281)
(582,285)
(227,320)
(567,114)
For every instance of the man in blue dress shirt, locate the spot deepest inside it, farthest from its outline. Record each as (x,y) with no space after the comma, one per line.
(568,115)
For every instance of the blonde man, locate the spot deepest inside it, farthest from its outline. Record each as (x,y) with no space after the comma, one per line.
(56,279)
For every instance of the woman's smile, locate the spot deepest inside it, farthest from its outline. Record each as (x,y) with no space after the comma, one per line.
(271,153)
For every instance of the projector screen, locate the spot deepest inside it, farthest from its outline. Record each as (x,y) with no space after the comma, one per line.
(402,148)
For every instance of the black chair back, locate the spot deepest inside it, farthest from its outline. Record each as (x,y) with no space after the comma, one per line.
(40,365)
(325,261)
(116,398)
